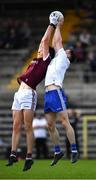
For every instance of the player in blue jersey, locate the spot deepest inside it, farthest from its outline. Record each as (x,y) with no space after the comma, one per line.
(55,99)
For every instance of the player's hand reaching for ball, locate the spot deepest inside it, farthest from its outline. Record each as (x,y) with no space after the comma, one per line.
(56,17)
(61,22)
(53,19)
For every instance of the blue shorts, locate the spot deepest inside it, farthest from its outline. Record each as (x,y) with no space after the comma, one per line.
(54,101)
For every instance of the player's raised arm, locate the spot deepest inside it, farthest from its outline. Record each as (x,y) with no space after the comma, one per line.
(57,38)
(44,44)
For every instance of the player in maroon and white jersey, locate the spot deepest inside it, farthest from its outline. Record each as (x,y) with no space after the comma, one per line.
(25,98)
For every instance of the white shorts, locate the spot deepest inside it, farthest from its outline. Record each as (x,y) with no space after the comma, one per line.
(25,99)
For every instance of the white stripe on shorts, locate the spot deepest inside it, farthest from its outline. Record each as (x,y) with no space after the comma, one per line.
(34,100)
(61,99)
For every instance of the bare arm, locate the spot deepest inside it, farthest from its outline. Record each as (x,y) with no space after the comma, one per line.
(57,39)
(46,40)
(44,45)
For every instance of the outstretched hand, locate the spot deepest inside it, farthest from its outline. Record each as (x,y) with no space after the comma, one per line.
(61,22)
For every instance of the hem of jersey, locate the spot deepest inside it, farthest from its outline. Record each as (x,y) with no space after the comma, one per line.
(54,111)
(22,109)
(44,59)
(53,84)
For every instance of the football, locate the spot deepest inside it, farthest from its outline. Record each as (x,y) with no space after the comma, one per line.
(58,15)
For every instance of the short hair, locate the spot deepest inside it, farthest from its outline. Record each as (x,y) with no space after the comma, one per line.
(73,57)
(72,53)
(52,52)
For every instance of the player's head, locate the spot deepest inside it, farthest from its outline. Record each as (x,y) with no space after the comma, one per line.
(40,51)
(52,52)
(70,54)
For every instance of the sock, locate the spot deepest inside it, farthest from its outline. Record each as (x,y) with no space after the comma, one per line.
(29,156)
(73,148)
(13,153)
(57,149)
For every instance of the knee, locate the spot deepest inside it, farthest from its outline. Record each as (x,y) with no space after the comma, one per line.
(28,127)
(65,122)
(51,127)
(16,127)
(66,125)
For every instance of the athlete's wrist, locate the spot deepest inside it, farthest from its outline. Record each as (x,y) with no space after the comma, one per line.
(51,24)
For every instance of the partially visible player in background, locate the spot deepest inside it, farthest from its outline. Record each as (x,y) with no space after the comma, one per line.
(55,100)
(40,136)
(25,98)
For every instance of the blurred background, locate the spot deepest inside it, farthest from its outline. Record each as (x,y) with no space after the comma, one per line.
(22,24)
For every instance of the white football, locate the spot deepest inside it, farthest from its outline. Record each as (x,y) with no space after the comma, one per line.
(58,15)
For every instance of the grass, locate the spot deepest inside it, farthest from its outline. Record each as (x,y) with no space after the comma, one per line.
(83,169)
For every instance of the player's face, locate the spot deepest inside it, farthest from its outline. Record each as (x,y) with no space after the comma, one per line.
(68,52)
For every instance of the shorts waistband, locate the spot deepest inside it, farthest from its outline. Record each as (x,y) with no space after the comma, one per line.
(24,86)
(52,87)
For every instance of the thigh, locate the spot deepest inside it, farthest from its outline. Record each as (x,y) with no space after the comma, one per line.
(51,118)
(28,117)
(63,116)
(17,117)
